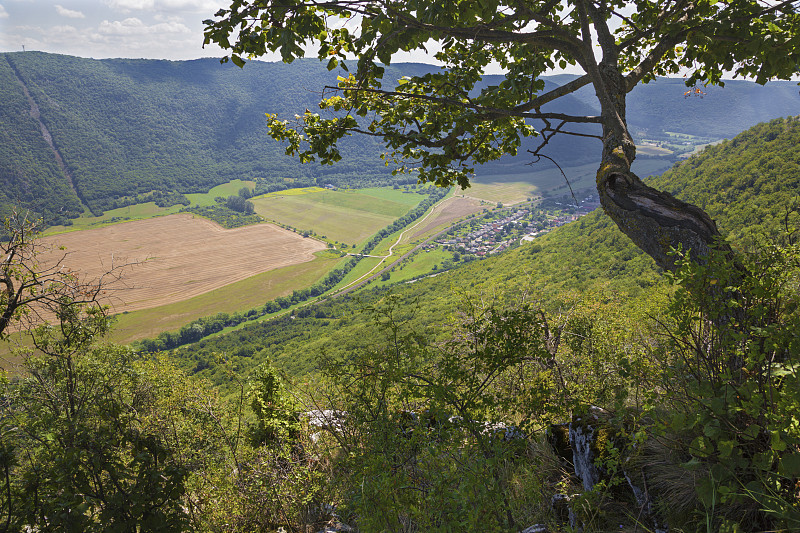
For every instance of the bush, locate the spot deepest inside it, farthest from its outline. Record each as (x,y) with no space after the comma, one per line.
(730,356)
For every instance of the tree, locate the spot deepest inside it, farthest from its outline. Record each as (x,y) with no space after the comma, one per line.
(32,292)
(96,445)
(442,124)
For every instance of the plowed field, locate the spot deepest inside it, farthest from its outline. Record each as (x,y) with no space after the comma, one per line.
(447,212)
(177,257)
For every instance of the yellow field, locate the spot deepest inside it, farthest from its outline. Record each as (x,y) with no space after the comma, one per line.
(176,257)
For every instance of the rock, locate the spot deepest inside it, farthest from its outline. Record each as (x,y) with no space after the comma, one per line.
(327,419)
(563,510)
(586,440)
(334,526)
(503,431)
(581,440)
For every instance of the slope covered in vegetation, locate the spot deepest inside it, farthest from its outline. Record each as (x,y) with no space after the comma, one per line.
(590,254)
(458,401)
(186,127)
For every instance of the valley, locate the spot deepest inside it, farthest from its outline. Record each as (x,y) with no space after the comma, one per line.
(450,336)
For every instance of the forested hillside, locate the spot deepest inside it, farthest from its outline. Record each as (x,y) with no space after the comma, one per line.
(126,127)
(590,255)
(29,173)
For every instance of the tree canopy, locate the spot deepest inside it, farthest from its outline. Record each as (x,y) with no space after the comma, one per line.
(442,124)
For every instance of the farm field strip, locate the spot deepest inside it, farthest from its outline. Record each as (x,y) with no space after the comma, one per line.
(435,209)
(178,257)
(344,216)
(456,207)
(239,296)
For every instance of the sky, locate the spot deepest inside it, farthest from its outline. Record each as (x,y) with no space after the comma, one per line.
(158,29)
(153,29)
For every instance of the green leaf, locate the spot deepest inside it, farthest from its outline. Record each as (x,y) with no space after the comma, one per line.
(725,447)
(712,429)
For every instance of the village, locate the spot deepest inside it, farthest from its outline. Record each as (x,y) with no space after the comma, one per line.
(497,230)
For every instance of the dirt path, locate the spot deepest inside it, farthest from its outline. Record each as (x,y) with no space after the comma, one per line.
(347,288)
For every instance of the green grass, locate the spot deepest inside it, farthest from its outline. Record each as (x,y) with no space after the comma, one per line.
(419,264)
(363,266)
(241,296)
(224,190)
(348,216)
(115,216)
(148,210)
(393,195)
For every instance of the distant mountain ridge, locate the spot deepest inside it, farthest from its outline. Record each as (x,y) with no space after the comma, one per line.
(125,127)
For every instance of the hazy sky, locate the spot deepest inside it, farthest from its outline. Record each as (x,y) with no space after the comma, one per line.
(163,29)
(158,29)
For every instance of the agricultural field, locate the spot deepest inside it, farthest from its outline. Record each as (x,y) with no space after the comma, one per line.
(347,216)
(177,257)
(240,296)
(649,149)
(510,189)
(445,214)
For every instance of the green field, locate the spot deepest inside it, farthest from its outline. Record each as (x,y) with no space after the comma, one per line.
(224,190)
(241,296)
(348,216)
(148,210)
(363,266)
(419,264)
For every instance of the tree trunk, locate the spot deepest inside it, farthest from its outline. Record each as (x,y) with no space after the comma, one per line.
(654,220)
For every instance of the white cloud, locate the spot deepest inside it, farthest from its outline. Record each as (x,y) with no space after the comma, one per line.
(195,5)
(69,13)
(134,26)
(3,12)
(127,5)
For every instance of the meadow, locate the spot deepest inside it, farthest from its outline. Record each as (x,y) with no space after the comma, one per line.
(346,216)
(147,210)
